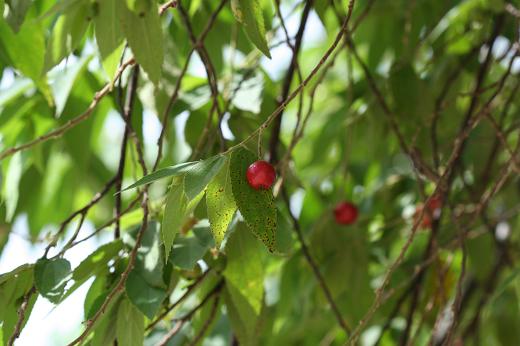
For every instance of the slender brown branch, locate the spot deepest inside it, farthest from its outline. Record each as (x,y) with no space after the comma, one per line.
(21,316)
(127,117)
(275,131)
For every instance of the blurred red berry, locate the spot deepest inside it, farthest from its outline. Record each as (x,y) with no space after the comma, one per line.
(345,213)
(261,175)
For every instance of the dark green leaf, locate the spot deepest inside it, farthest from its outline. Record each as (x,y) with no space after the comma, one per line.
(146,298)
(51,276)
(186,252)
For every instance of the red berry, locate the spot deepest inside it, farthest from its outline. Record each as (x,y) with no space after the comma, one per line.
(261,175)
(346,213)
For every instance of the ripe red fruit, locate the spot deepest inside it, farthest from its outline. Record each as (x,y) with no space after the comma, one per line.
(432,212)
(260,175)
(346,213)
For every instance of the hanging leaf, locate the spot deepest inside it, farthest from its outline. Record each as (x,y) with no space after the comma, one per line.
(129,325)
(242,316)
(174,214)
(249,14)
(220,203)
(109,37)
(256,206)
(146,298)
(51,276)
(13,288)
(97,260)
(66,34)
(145,38)
(187,251)
(199,175)
(244,268)
(11,183)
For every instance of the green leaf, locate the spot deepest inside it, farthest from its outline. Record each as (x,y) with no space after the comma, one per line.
(26,51)
(11,184)
(256,206)
(220,203)
(66,34)
(109,37)
(145,38)
(17,11)
(129,325)
(97,260)
(245,269)
(199,175)
(174,215)
(51,276)
(187,251)
(13,287)
(63,81)
(249,14)
(146,298)
(242,316)
(150,258)
(171,171)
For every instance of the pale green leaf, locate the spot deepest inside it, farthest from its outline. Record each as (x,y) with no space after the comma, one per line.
(62,82)
(174,215)
(171,171)
(199,175)
(129,325)
(220,203)
(11,183)
(245,269)
(66,34)
(145,38)
(256,206)
(249,14)
(242,316)
(109,37)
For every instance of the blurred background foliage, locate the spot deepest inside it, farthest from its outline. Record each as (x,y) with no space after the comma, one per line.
(423,66)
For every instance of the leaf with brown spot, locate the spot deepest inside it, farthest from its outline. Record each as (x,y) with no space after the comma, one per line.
(256,206)
(220,203)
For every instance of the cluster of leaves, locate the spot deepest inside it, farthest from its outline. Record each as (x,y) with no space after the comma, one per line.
(396,103)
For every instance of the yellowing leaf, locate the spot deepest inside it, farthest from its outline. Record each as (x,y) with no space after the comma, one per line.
(220,204)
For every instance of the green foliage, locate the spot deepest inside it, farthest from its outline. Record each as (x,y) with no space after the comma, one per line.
(417,98)
(249,14)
